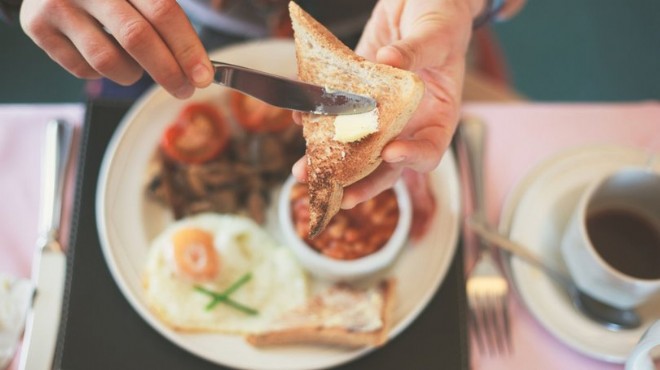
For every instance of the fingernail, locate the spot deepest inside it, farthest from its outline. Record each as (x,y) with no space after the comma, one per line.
(396,159)
(298,169)
(185,91)
(347,203)
(201,74)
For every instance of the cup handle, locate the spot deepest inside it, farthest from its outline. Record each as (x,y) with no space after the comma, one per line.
(640,357)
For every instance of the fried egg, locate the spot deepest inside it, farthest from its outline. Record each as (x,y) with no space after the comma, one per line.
(212,252)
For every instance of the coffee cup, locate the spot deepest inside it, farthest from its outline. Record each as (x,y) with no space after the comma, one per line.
(611,244)
(640,357)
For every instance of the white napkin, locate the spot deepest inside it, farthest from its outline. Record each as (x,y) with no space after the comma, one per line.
(15,298)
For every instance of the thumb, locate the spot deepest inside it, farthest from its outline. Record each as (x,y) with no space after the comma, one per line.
(429,40)
(410,54)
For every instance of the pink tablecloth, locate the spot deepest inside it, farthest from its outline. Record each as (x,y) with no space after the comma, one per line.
(22,132)
(521,135)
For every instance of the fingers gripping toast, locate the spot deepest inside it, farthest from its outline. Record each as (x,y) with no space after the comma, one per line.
(324,60)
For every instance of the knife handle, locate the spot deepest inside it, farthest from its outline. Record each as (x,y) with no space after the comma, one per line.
(49,264)
(53,170)
(472,132)
(43,320)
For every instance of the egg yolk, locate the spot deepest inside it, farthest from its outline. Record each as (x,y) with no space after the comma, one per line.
(194,254)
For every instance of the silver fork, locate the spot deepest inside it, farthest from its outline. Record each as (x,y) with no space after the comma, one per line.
(487,288)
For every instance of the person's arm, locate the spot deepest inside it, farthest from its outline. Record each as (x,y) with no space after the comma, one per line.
(509,9)
(9,9)
(498,10)
(119,39)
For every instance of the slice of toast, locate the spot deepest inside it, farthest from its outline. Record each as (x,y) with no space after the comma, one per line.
(324,60)
(341,316)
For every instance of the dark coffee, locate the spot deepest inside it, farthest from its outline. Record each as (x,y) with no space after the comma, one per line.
(627,241)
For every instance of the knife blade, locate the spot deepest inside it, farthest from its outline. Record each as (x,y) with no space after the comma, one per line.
(49,263)
(290,94)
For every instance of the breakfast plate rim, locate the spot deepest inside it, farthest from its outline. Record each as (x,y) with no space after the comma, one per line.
(113,259)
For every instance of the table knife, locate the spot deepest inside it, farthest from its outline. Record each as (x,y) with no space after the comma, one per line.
(49,263)
(290,94)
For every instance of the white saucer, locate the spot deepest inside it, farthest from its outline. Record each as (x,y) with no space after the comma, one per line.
(535,214)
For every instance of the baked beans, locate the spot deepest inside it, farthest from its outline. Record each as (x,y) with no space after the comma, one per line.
(352,233)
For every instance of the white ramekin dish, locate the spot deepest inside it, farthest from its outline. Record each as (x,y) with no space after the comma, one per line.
(334,270)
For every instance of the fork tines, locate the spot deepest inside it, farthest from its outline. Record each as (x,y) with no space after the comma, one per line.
(489,315)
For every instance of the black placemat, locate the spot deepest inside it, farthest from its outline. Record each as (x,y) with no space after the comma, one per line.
(100,330)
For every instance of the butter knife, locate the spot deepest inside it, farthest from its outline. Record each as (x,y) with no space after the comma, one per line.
(290,94)
(49,264)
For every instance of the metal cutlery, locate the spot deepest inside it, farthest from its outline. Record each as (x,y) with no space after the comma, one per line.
(290,94)
(487,288)
(49,264)
(609,316)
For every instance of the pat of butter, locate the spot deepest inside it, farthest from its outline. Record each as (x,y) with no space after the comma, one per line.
(353,127)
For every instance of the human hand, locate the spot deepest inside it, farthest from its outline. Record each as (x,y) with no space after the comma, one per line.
(430,38)
(119,39)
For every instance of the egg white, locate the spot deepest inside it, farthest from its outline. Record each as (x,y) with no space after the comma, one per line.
(277,285)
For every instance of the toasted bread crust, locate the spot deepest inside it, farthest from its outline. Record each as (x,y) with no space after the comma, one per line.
(334,335)
(324,60)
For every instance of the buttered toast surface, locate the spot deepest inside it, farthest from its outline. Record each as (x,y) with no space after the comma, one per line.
(324,60)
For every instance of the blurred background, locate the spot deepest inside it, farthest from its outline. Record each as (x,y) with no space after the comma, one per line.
(554,50)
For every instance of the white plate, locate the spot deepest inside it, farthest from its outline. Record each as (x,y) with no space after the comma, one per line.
(127,223)
(535,215)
